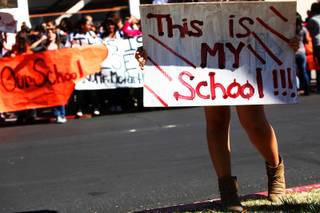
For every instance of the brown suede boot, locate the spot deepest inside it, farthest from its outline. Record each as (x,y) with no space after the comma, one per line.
(276,181)
(230,200)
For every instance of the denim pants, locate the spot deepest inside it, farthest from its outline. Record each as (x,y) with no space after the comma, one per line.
(301,62)
(316,54)
(59,111)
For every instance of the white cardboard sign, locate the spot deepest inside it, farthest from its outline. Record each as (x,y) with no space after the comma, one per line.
(7,23)
(119,70)
(219,53)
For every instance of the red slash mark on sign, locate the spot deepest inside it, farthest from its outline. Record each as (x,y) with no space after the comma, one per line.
(277,13)
(172,51)
(156,95)
(273,31)
(160,69)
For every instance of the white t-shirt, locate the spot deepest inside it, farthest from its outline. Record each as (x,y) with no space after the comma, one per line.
(88,38)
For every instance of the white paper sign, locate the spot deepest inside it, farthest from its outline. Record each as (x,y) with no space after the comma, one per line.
(7,23)
(219,53)
(119,70)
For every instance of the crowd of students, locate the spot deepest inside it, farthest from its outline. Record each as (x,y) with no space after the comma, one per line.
(308,54)
(49,36)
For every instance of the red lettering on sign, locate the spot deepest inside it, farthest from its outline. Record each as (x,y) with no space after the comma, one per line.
(39,77)
(245,27)
(198,88)
(260,82)
(236,53)
(275,82)
(233,90)
(231,25)
(190,88)
(159,18)
(277,13)
(283,81)
(214,85)
(183,28)
(218,48)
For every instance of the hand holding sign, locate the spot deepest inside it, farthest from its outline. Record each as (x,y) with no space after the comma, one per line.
(141,56)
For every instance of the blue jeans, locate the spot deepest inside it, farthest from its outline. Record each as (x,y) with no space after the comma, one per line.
(316,54)
(301,62)
(59,111)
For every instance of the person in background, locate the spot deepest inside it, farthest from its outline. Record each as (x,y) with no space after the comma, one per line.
(51,41)
(313,26)
(4,47)
(311,62)
(119,23)
(24,27)
(21,47)
(64,30)
(301,62)
(2,41)
(110,30)
(131,27)
(36,33)
(93,27)
(7,40)
(85,36)
(50,25)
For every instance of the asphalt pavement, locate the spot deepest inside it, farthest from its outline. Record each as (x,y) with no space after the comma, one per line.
(131,162)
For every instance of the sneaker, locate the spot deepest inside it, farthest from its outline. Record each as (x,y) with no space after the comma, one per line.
(61,120)
(96,112)
(79,114)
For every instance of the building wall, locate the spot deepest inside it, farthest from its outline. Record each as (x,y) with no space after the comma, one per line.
(303,6)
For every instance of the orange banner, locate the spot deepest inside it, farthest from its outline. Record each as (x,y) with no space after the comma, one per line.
(46,79)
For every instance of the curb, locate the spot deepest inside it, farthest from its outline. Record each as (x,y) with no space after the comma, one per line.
(215,203)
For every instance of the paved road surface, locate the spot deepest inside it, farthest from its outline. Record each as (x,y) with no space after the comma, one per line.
(130,162)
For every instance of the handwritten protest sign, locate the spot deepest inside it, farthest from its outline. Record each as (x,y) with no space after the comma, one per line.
(219,53)
(119,70)
(45,79)
(7,23)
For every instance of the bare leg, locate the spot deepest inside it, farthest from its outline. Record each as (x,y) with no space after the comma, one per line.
(260,132)
(218,125)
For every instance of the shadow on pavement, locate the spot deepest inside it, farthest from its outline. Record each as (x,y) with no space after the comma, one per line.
(40,211)
(198,206)
(201,206)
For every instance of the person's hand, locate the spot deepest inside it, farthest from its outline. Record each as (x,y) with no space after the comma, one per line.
(133,20)
(74,44)
(43,38)
(141,56)
(294,43)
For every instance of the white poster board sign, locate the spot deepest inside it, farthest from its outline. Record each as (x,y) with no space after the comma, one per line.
(219,53)
(19,10)
(7,23)
(119,70)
